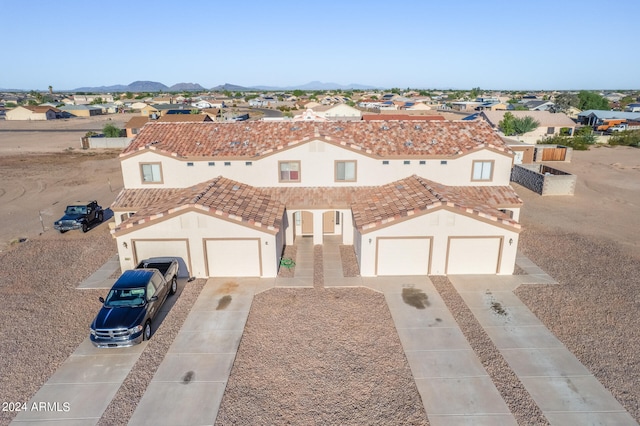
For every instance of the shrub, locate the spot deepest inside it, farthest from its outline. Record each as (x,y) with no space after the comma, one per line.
(626,138)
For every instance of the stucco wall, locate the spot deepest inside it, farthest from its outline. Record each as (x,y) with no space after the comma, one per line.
(196,227)
(317,168)
(439,224)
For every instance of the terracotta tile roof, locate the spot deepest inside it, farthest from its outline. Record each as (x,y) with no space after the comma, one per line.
(375,207)
(259,138)
(388,117)
(184,118)
(221,197)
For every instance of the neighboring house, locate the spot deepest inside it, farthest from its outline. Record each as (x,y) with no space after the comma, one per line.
(632,108)
(596,117)
(492,106)
(134,125)
(411,198)
(538,105)
(308,115)
(28,113)
(339,112)
(160,110)
(82,110)
(466,106)
(551,124)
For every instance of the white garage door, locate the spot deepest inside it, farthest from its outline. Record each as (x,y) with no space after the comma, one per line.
(473,255)
(145,249)
(234,258)
(403,256)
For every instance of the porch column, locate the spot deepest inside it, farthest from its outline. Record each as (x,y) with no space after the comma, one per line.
(317,227)
(290,230)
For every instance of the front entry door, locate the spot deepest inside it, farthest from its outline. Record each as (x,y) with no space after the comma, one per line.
(307,223)
(328,222)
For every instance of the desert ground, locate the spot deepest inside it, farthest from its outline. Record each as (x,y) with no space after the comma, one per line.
(587,242)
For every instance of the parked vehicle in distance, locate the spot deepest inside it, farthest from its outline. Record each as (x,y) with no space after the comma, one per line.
(622,127)
(131,306)
(80,215)
(609,122)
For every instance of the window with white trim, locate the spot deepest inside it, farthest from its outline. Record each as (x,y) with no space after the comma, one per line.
(482,171)
(151,172)
(289,171)
(345,171)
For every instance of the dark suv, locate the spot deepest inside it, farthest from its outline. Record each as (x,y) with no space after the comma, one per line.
(80,215)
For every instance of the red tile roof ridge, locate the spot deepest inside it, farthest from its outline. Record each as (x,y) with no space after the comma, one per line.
(220,196)
(379,138)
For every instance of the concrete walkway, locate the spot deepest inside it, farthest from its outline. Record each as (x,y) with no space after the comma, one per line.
(193,375)
(454,386)
(566,392)
(102,277)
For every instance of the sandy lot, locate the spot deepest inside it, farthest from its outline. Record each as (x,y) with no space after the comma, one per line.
(44,169)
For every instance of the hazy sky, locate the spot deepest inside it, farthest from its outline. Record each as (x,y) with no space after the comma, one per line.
(492,44)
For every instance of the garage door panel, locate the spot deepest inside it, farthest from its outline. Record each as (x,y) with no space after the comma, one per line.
(473,255)
(233,258)
(145,249)
(403,256)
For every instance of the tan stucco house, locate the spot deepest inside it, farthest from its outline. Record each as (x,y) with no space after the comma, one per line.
(551,124)
(27,113)
(410,197)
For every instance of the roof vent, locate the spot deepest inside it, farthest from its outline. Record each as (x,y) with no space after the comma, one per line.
(434,142)
(384,127)
(235,187)
(400,186)
(197,143)
(408,143)
(294,128)
(417,127)
(338,129)
(234,143)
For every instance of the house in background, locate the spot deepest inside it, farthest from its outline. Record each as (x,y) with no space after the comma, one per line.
(29,113)
(134,125)
(411,198)
(81,110)
(551,124)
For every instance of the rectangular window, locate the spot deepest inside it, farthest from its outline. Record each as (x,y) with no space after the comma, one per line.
(345,171)
(227,163)
(443,162)
(423,162)
(248,163)
(212,163)
(151,172)
(189,164)
(289,171)
(551,130)
(482,171)
(406,162)
(337,218)
(385,162)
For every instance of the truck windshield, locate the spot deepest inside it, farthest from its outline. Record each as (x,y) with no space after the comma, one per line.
(76,210)
(125,297)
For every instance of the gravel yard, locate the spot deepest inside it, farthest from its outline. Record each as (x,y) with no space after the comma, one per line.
(320,356)
(594,310)
(43,318)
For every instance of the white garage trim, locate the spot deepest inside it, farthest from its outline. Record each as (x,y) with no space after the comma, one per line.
(146,248)
(233,257)
(403,255)
(474,255)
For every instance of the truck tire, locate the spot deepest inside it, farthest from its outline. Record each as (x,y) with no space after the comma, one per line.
(174,285)
(62,231)
(146,331)
(100,217)
(85,227)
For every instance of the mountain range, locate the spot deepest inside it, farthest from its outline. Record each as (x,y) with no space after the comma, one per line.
(155,87)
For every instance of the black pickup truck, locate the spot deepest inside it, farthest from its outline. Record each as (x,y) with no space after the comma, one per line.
(133,303)
(80,215)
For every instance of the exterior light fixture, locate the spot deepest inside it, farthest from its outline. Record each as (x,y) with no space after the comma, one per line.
(124,244)
(510,241)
